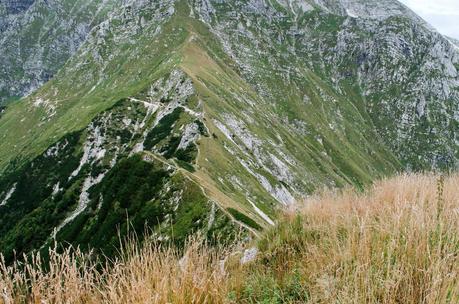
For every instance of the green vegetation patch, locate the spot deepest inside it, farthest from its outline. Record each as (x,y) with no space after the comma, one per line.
(30,214)
(137,196)
(163,129)
(125,199)
(239,216)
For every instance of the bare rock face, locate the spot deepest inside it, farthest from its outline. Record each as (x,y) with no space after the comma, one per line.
(9,9)
(38,37)
(17,6)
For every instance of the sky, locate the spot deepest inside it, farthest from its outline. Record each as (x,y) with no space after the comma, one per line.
(442,14)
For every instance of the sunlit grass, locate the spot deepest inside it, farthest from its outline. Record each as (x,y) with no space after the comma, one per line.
(396,243)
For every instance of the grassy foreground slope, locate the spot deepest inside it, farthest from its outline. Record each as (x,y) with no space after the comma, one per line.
(398,242)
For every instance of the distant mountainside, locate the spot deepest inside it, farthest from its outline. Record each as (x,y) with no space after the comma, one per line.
(210,115)
(37,38)
(454,41)
(10,9)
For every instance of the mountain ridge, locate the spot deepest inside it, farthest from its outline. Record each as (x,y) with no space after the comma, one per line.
(229,110)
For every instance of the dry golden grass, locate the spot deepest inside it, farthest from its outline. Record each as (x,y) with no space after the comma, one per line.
(144,275)
(396,243)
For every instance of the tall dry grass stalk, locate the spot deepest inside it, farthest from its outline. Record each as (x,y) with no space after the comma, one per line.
(396,243)
(150,274)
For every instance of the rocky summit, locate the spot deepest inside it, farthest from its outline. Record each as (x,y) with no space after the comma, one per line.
(208,116)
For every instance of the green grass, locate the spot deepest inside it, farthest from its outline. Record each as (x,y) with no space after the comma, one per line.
(241,217)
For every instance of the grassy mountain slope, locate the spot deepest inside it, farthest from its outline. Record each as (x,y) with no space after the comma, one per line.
(227,110)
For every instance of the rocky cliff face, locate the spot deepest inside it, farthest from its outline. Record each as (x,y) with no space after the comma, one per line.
(9,11)
(17,6)
(404,71)
(454,41)
(228,110)
(38,37)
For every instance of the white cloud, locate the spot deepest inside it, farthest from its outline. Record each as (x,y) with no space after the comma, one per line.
(442,14)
